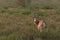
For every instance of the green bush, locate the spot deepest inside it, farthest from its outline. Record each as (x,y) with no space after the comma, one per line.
(47,6)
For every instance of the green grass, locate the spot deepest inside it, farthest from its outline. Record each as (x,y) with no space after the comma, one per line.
(16,11)
(22,28)
(42,13)
(17,24)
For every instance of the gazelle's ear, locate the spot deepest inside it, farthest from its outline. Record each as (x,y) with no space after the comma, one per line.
(35,15)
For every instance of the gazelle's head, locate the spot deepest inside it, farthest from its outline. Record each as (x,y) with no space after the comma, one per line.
(35,18)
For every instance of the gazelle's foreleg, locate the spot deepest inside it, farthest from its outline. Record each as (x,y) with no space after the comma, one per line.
(39,27)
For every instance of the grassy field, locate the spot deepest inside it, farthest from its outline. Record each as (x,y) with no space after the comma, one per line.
(16,23)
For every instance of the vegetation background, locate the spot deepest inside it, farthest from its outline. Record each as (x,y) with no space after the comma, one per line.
(16,22)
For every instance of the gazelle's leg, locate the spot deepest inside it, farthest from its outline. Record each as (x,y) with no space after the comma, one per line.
(41,29)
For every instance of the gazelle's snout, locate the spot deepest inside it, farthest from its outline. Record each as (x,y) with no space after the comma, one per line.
(34,19)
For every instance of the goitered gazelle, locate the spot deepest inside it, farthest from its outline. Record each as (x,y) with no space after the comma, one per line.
(40,23)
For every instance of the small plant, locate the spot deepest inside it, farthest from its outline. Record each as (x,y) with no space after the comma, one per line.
(5,7)
(58,12)
(46,6)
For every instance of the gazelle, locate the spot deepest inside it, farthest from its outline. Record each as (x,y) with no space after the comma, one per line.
(40,23)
